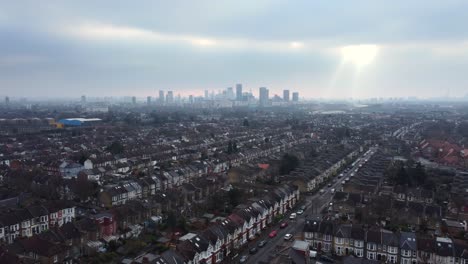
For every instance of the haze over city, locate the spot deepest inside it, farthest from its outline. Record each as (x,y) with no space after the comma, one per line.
(322,49)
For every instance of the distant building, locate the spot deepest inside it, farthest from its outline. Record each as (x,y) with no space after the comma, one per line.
(295,97)
(79,121)
(263,96)
(133,99)
(83,99)
(286,95)
(190,99)
(206,95)
(170,97)
(230,93)
(148,100)
(161,96)
(239,92)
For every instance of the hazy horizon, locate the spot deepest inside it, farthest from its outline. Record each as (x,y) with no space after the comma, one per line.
(360,49)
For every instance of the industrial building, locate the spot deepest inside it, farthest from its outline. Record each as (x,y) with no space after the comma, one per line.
(79,121)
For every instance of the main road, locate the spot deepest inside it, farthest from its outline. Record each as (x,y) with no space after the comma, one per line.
(314,205)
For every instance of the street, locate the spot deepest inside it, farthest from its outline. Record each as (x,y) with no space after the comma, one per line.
(314,205)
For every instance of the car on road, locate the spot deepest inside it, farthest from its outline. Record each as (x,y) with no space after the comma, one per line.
(283,224)
(326,258)
(243,259)
(322,191)
(253,250)
(273,233)
(262,243)
(329,185)
(293,216)
(288,237)
(300,212)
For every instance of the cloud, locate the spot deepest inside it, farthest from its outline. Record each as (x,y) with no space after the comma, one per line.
(92,31)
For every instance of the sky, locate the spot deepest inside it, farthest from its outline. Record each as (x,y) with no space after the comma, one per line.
(322,49)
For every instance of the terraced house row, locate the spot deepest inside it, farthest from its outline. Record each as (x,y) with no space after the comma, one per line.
(223,237)
(384,245)
(33,220)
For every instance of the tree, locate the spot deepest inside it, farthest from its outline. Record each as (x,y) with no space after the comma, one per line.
(288,163)
(234,146)
(234,196)
(171,220)
(115,148)
(229,148)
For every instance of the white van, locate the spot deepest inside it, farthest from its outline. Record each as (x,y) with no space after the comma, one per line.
(293,216)
(312,254)
(332,190)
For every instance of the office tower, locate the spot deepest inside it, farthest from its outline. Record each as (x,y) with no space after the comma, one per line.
(83,99)
(148,100)
(230,93)
(133,100)
(170,97)
(190,99)
(286,95)
(7,100)
(239,92)
(161,96)
(263,96)
(206,95)
(295,97)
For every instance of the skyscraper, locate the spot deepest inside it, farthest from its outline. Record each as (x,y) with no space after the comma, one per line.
(230,93)
(295,97)
(263,96)
(148,100)
(170,97)
(190,99)
(83,99)
(7,100)
(161,96)
(239,92)
(206,95)
(133,100)
(286,95)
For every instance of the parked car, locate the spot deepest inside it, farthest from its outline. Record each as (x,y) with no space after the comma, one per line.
(243,259)
(300,212)
(293,216)
(288,237)
(262,243)
(273,233)
(253,250)
(325,258)
(283,224)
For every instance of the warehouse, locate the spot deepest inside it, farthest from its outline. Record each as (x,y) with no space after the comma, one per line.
(79,121)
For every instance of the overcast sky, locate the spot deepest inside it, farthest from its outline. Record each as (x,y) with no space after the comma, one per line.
(367,48)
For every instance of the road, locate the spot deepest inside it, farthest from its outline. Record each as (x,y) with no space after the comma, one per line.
(314,205)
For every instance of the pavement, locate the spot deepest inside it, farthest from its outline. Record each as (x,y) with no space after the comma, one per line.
(314,203)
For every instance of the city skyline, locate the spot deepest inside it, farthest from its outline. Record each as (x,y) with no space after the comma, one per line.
(367,50)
